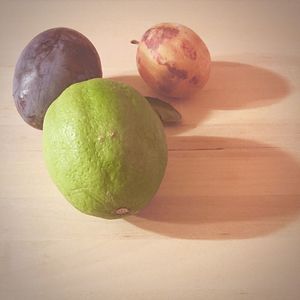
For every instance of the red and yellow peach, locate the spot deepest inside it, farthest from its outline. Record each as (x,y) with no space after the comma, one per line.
(173,60)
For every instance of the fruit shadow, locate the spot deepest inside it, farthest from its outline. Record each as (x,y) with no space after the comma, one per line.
(220,188)
(223,188)
(231,86)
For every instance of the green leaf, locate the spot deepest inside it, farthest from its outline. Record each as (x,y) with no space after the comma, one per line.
(166,112)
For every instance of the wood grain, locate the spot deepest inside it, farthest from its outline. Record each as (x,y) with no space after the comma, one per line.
(225,222)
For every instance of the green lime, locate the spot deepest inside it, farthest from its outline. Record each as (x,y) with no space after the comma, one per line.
(104,147)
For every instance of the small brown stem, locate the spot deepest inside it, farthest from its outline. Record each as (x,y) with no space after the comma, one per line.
(135,42)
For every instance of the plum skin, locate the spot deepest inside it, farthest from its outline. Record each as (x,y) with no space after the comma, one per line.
(51,61)
(173,60)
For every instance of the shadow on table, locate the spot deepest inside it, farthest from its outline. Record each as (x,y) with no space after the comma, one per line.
(223,188)
(220,188)
(231,86)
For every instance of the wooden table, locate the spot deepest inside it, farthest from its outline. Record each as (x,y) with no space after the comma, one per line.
(225,223)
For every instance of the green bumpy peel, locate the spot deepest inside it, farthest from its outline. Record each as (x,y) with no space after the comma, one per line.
(104,148)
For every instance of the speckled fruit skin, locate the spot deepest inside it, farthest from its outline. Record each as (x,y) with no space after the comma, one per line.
(173,60)
(51,61)
(105,148)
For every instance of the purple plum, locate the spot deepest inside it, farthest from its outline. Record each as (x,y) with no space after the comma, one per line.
(52,61)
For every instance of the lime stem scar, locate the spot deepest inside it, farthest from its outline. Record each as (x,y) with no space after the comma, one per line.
(122,211)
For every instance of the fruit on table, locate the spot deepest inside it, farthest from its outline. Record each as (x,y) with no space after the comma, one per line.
(52,61)
(173,60)
(104,147)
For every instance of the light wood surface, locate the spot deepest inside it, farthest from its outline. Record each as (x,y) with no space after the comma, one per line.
(225,223)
